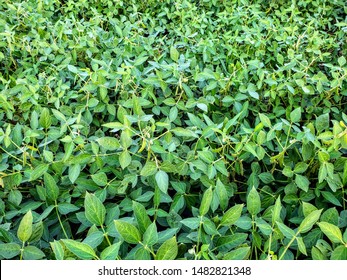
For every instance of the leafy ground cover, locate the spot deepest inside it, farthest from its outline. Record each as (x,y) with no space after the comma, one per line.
(173,129)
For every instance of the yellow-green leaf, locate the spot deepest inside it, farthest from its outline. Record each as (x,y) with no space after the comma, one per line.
(25,228)
(168,250)
(128,231)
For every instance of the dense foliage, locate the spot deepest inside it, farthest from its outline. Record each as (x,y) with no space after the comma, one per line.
(203,129)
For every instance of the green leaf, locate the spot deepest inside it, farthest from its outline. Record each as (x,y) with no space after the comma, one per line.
(109,143)
(238,254)
(263,226)
(52,190)
(94,209)
(174,54)
(192,223)
(129,232)
(317,254)
(302,182)
(301,245)
(209,227)
(287,232)
(141,216)
(220,166)
(150,168)
(150,237)
(322,122)
(45,118)
(125,139)
(331,198)
(252,90)
(265,120)
(37,232)
(162,180)
(74,172)
(309,221)
(9,250)
(222,194)
(331,231)
(295,115)
(340,253)
(206,201)
(168,250)
(32,253)
(58,250)
(341,61)
(66,208)
(38,171)
(81,250)
(228,242)
(142,254)
(72,68)
(114,125)
(300,167)
(124,159)
(323,156)
(307,208)
(266,177)
(140,60)
(331,216)
(206,156)
(100,179)
(110,252)
(276,211)
(253,201)
(25,228)
(232,215)
(183,132)
(322,173)
(94,239)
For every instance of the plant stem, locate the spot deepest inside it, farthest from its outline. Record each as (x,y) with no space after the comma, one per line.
(106,235)
(287,247)
(60,222)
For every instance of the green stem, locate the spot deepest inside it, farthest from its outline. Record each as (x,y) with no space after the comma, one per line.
(270,241)
(106,235)
(21,251)
(198,241)
(60,222)
(148,249)
(287,247)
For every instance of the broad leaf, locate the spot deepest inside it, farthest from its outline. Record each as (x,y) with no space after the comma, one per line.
(81,250)
(331,231)
(94,209)
(52,190)
(253,202)
(168,250)
(232,215)
(110,252)
(25,228)
(309,221)
(141,216)
(129,232)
